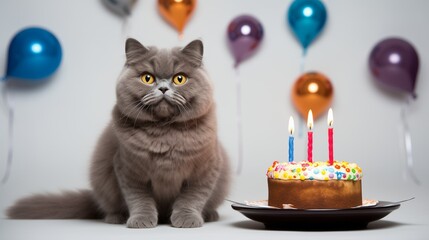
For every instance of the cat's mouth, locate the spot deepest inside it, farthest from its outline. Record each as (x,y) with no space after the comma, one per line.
(164,108)
(163,105)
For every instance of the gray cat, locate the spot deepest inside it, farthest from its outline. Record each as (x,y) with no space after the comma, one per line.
(159,160)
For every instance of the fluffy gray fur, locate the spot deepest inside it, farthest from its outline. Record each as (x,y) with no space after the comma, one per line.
(159,159)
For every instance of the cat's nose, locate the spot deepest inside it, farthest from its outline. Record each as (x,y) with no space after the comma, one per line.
(163,89)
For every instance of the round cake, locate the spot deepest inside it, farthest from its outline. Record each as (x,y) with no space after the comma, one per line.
(314,185)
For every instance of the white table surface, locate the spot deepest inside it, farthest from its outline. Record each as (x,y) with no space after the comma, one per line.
(410,221)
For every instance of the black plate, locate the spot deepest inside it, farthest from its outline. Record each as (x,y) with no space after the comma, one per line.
(300,219)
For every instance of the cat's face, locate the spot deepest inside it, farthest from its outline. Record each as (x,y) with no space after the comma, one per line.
(164,85)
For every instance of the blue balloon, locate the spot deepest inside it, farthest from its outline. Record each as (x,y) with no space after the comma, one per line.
(34,54)
(307,19)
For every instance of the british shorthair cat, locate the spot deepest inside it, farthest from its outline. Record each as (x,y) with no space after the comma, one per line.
(159,159)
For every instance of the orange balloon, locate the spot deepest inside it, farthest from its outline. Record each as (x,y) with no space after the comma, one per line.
(312,91)
(177,12)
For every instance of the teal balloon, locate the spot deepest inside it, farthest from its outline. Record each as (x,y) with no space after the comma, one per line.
(307,19)
(34,54)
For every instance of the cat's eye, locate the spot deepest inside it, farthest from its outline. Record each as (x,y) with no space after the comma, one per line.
(147,78)
(180,79)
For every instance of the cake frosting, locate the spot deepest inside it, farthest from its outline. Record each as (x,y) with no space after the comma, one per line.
(339,170)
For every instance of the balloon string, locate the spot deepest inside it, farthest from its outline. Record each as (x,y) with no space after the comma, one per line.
(300,127)
(302,69)
(407,141)
(303,57)
(10,131)
(239,125)
(125,27)
(236,66)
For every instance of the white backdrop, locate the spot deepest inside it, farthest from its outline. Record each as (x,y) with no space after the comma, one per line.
(57,124)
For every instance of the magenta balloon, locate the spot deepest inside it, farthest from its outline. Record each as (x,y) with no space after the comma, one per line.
(244,35)
(394,62)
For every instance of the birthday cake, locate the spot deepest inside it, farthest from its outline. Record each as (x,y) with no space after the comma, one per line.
(314,185)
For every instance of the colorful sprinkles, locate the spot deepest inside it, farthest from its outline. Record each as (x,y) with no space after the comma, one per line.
(315,171)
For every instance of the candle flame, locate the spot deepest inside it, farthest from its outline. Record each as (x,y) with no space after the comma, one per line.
(310,120)
(330,118)
(291,125)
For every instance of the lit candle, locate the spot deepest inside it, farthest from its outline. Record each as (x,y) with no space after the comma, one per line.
(291,138)
(310,136)
(331,136)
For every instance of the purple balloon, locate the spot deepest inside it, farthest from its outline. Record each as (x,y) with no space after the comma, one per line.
(244,34)
(394,62)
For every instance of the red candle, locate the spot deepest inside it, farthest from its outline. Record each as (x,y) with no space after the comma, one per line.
(331,136)
(310,136)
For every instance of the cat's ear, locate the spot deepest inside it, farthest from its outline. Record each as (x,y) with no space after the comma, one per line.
(194,52)
(134,50)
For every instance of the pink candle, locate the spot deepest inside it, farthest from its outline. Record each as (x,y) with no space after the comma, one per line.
(310,136)
(331,136)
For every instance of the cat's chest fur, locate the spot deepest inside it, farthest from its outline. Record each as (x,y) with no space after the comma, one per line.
(165,142)
(166,157)
(167,153)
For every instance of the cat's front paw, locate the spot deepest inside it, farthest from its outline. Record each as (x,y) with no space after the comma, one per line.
(182,219)
(142,221)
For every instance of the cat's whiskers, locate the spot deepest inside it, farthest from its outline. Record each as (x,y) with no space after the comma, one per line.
(146,102)
(148,98)
(138,113)
(183,105)
(184,110)
(132,105)
(179,105)
(179,98)
(141,105)
(187,106)
(135,109)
